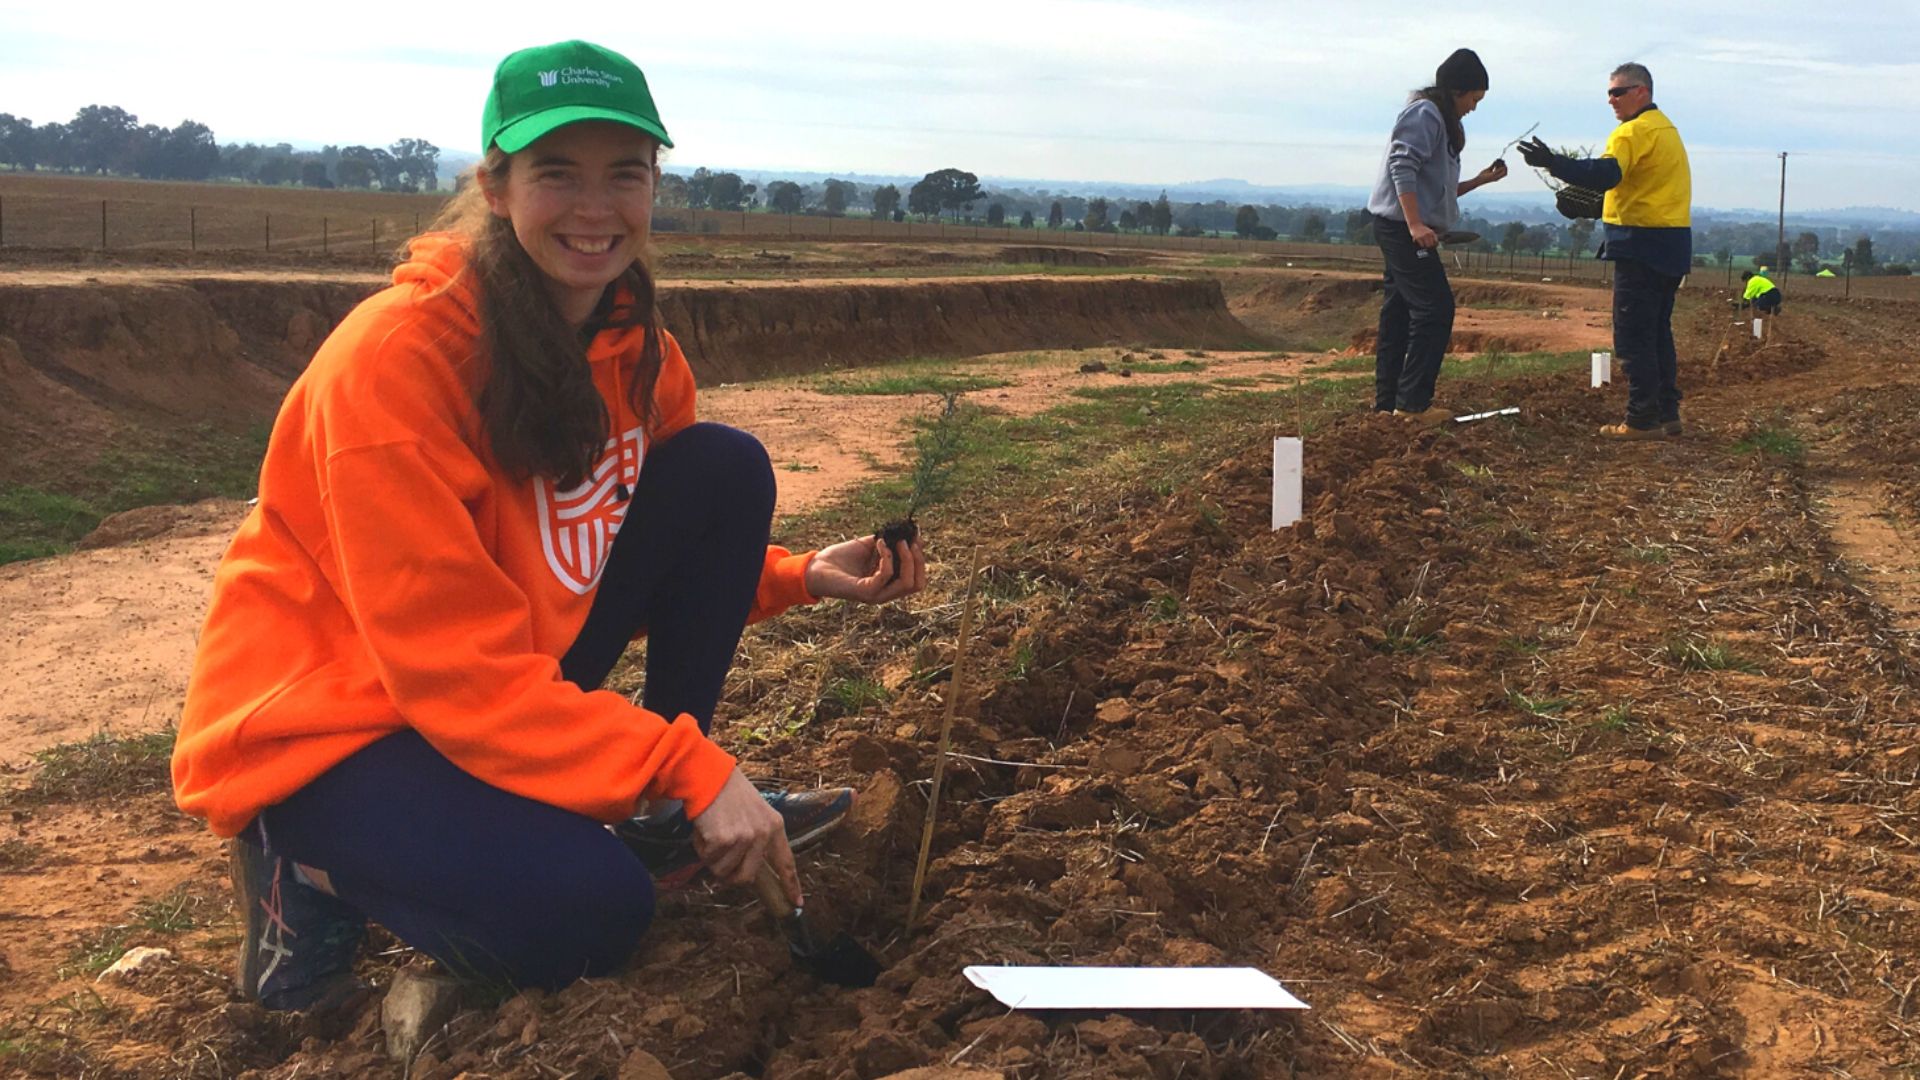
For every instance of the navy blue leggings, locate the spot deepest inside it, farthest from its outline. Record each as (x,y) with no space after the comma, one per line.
(503,888)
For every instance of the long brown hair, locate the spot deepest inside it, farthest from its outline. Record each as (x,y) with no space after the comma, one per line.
(539,411)
(1450,112)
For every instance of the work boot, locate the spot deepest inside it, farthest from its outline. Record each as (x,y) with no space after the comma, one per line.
(1673,427)
(298,943)
(1629,433)
(1430,416)
(665,844)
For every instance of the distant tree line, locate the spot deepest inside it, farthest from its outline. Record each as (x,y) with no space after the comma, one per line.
(109,141)
(106,140)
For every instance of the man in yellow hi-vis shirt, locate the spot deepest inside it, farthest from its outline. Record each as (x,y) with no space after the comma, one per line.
(1761,292)
(1648,214)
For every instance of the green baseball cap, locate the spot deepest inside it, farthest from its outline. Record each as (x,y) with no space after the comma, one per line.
(549,86)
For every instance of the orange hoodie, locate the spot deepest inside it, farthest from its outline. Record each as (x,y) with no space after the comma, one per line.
(392,577)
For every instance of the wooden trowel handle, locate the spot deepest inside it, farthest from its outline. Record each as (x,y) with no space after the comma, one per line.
(772,892)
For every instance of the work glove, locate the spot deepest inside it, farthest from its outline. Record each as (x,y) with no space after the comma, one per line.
(1537,153)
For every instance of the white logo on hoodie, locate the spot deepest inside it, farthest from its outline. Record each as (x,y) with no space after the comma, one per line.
(577,526)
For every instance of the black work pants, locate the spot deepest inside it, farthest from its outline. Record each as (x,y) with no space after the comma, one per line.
(1643,340)
(1416,320)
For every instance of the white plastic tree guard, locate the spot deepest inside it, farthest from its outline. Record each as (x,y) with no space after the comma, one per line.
(1287,456)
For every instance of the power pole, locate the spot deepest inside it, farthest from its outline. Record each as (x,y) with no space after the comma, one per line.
(1781,249)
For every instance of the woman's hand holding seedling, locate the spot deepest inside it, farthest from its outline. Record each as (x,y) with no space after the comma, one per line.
(863,570)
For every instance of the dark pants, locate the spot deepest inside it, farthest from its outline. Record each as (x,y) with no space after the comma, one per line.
(1416,320)
(1643,340)
(507,889)
(1768,302)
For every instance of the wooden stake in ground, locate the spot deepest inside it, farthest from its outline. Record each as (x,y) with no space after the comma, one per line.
(954,689)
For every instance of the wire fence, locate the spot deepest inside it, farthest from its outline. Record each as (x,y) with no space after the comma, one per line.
(38,222)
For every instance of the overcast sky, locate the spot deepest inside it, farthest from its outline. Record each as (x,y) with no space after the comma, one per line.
(1276,93)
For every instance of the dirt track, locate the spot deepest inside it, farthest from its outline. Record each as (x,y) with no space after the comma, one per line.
(1523,755)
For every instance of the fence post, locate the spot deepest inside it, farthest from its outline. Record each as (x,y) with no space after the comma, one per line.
(3,221)
(416,223)
(373,236)
(103,224)
(269,246)
(324,249)
(193,228)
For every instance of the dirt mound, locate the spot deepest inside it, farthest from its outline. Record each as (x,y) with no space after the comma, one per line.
(1480,293)
(1064,256)
(734,333)
(89,360)
(1312,292)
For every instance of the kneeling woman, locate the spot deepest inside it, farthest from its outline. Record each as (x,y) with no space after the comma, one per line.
(487,483)
(1415,200)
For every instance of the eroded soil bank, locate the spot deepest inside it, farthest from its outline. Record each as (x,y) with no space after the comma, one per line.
(82,363)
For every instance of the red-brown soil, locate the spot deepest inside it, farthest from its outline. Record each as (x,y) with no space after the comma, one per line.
(85,359)
(1524,754)
(1330,305)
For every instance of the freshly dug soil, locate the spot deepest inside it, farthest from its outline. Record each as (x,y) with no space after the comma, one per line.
(1524,754)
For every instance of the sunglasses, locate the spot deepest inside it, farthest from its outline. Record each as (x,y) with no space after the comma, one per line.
(1620,91)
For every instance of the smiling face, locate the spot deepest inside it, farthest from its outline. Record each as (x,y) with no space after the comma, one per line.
(1627,97)
(581,202)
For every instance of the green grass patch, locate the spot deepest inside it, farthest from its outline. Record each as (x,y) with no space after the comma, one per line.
(855,695)
(783,724)
(105,766)
(1162,367)
(1615,718)
(16,854)
(160,916)
(47,516)
(1348,363)
(1497,364)
(1403,639)
(1775,442)
(1022,663)
(1163,608)
(1710,655)
(784,272)
(1542,707)
(899,385)
(1238,382)
(1657,554)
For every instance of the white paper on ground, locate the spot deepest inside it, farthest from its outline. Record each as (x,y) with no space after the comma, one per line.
(1757,332)
(1132,988)
(1287,455)
(1602,369)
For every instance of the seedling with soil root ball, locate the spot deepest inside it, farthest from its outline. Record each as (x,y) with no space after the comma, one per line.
(938,448)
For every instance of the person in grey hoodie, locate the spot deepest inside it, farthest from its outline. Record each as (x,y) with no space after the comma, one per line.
(1415,200)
